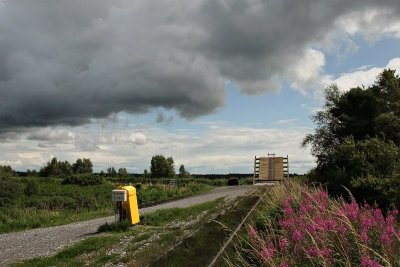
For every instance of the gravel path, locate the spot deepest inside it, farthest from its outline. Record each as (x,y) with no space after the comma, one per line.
(48,241)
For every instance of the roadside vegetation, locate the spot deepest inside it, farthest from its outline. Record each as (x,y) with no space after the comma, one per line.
(32,202)
(307,228)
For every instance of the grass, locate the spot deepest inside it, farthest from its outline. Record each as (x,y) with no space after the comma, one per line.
(165,216)
(200,248)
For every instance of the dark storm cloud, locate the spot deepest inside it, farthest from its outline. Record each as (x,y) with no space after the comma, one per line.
(68,62)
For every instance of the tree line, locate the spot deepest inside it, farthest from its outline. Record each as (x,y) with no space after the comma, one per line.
(160,167)
(357,141)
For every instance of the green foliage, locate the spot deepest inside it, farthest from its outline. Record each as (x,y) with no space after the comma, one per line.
(82,166)
(10,188)
(64,168)
(162,167)
(112,172)
(7,170)
(114,227)
(158,193)
(32,187)
(56,168)
(382,190)
(183,173)
(122,172)
(357,139)
(83,180)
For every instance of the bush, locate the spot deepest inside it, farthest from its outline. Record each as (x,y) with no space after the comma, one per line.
(233,181)
(10,189)
(383,191)
(32,188)
(83,180)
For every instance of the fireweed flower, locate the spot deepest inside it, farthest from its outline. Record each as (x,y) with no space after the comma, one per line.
(367,262)
(267,253)
(312,229)
(297,236)
(283,243)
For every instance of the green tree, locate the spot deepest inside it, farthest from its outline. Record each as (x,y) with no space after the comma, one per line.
(357,140)
(162,167)
(122,172)
(112,172)
(360,112)
(182,172)
(56,168)
(82,166)
(171,167)
(146,173)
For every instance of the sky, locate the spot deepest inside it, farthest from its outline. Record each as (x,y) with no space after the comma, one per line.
(212,83)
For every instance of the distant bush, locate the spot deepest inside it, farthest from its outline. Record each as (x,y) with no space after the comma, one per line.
(54,203)
(83,180)
(32,188)
(233,181)
(10,189)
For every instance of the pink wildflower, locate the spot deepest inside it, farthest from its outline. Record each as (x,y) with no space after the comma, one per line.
(284,264)
(367,262)
(378,216)
(283,243)
(350,210)
(297,236)
(267,253)
(385,239)
(252,232)
(326,252)
(253,236)
(322,199)
(313,252)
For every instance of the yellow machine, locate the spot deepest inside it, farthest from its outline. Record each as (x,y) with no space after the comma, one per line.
(127,203)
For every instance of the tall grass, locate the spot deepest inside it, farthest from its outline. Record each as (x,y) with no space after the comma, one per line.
(304,227)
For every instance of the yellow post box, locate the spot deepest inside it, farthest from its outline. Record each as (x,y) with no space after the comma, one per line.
(127,203)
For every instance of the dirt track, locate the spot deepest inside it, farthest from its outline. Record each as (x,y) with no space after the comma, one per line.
(48,241)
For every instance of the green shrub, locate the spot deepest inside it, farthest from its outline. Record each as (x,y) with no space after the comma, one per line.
(32,188)
(83,180)
(10,189)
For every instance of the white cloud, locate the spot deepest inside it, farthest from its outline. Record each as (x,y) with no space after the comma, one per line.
(364,76)
(216,148)
(307,73)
